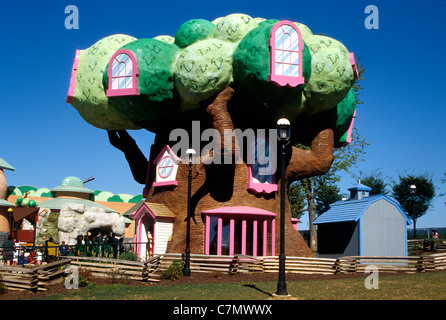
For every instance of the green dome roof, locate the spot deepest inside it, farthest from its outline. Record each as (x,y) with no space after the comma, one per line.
(72,184)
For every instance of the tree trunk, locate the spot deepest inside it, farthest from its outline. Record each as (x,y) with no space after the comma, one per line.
(306,183)
(414,228)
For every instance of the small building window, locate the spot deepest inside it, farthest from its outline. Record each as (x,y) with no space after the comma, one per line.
(286,47)
(123,74)
(261,166)
(166,168)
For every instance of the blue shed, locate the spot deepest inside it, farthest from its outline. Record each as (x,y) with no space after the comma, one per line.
(363,226)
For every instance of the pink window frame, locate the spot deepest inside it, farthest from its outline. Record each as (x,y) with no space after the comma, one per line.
(281,80)
(172,166)
(157,161)
(134,90)
(354,65)
(349,132)
(258,186)
(260,219)
(73,77)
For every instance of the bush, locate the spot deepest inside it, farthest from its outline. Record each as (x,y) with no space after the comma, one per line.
(2,285)
(174,271)
(132,256)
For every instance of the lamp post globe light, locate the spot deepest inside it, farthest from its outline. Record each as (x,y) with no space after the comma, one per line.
(283,135)
(190,154)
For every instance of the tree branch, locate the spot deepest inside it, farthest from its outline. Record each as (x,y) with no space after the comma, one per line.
(313,162)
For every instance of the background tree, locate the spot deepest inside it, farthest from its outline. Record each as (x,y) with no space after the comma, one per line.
(415,205)
(376,181)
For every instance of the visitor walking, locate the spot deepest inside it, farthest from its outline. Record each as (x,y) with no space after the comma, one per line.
(8,250)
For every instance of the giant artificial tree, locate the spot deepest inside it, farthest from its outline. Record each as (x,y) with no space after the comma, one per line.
(219,74)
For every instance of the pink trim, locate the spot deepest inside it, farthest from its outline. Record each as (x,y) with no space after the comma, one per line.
(243,214)
(294,222)
(244,236)
(281,80)
(143,211)
(165,183)
(256,186)
(259,187)
(207,235)
(254,237)
(134,90)
(231,237)
(219,235)
(350,129)
(354,65)
(73,77)
(175,160)
(171,166)
(273,237)
(171,153)
(237,210)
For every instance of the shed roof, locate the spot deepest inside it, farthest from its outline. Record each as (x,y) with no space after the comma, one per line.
(352,210)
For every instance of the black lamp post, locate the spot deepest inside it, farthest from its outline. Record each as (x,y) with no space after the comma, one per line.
(283,135)
(190,153)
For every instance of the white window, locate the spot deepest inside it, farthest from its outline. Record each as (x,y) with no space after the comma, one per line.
(286,54)
(262,167)
(166,165)
(123,74)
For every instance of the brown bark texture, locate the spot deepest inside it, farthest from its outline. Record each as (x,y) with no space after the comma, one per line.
(224,185)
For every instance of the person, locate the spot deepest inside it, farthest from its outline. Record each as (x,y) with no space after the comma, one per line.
(150,242)
(121,246)
(8,250)
(99,242)
(79,248)
(434,234)
(115,242)
(63,249)
(15,260)
(39,256)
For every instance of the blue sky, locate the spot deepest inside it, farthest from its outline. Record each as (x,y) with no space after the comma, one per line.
(46,140)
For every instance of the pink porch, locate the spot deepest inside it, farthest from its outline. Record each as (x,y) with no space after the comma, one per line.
(239,230)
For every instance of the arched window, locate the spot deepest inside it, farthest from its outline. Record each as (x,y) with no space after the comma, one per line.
(286,54)
(262,169)
(123,74)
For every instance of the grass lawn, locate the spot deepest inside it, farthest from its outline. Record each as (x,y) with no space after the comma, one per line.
(419,286)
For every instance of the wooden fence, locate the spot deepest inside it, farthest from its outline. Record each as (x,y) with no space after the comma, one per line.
(302,265)
(33,279)
(107,267)
(37,278)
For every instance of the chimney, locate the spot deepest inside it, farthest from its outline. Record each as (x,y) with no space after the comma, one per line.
(359,192)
